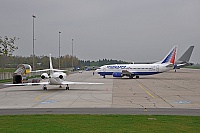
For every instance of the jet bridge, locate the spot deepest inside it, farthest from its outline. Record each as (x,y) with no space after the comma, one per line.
(19,74)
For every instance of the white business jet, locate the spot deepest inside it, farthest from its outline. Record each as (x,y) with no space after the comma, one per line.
(56,77)
(131,70)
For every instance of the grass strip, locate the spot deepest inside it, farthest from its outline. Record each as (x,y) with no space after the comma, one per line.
(98,123)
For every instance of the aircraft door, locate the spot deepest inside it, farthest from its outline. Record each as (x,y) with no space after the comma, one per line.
(157,68)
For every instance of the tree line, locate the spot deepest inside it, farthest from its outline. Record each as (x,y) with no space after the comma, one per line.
(7,60)
(42,62)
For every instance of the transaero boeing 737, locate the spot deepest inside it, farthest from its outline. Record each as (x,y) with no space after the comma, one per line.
(131,70)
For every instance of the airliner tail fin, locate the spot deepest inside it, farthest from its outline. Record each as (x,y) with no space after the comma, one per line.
(186,56)
(170,57)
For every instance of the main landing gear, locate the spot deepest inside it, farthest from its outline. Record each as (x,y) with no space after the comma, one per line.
(44,87)
(67,87)
(137,77)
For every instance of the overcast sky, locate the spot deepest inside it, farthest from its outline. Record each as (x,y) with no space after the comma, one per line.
(130,30)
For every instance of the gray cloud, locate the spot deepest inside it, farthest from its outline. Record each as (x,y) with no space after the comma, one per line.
(139,30)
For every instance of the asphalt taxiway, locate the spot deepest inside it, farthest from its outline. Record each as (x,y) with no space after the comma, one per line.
(167,93)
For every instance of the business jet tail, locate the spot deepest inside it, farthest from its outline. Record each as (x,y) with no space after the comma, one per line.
(51,67)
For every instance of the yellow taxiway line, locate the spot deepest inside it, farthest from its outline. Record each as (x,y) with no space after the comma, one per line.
(147,91)
(38,97)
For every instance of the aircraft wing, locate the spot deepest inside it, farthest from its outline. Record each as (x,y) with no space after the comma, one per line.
(79,83)
(25,84)
(181,65)
(45,70)
(178,66)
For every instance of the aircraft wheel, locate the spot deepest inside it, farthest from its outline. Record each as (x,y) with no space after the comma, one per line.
(44,88)
(67,88)
(137,77)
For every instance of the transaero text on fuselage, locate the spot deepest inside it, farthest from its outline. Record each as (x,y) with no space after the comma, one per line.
(116,67)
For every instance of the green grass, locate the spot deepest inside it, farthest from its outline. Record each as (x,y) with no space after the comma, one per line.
(7,69)
(5,80)
(98,123)
(193,67)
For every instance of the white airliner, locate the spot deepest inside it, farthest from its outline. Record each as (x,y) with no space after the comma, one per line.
(131,70)
(56,77)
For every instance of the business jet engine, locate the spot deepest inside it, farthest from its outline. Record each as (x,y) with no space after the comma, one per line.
(62,76)
(44,76)
(117,74)
(59,75)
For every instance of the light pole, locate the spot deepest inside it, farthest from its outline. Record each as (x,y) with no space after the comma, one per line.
(33,43)
(59,49)
(72,56)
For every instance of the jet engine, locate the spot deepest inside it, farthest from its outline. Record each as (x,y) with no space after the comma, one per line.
(44,76)
(59,75)
(117,74)
(62,76)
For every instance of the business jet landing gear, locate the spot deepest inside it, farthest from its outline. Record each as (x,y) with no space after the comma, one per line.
(137,77)
(67,87)
(104,76)
(44,87)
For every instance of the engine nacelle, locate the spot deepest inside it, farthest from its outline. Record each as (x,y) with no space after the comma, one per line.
(117,74)
(44,76)
(61,76)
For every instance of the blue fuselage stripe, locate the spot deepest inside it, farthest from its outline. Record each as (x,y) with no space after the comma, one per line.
(134,73)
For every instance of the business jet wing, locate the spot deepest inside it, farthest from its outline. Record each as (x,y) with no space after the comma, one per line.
(79,83)
(26,84)
(45,70)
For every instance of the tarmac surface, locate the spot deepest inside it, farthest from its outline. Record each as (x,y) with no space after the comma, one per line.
(170,93)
